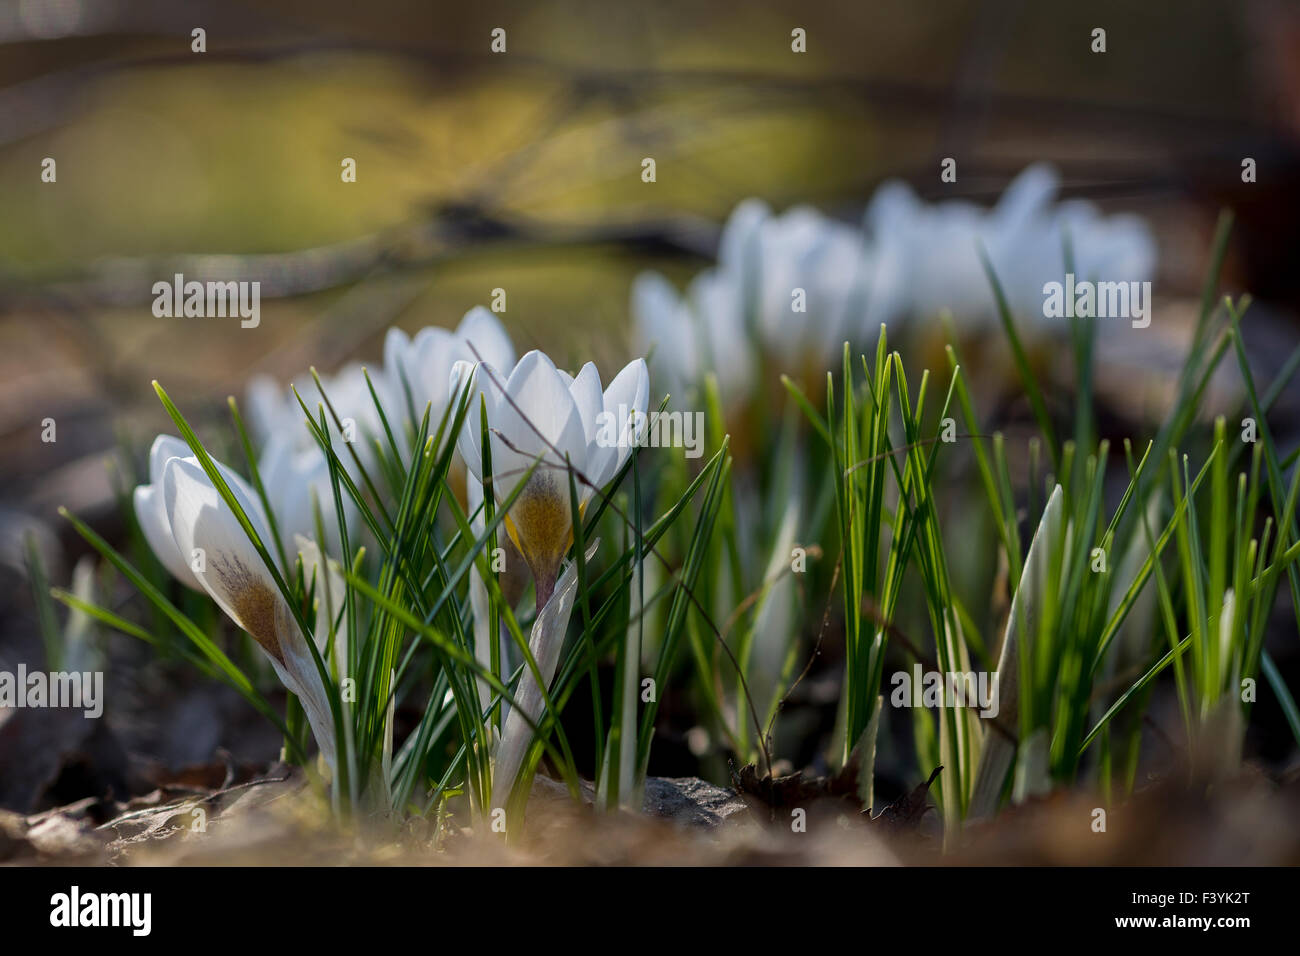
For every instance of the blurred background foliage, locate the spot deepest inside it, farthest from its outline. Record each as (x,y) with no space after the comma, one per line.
(521,170)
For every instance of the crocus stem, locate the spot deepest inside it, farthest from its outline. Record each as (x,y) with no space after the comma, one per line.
(517,735)
(545,584)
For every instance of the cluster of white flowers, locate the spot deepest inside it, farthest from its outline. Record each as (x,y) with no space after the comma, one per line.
(539,418)
(788,290)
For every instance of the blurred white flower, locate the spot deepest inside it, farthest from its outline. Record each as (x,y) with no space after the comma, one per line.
(702,331)
(789,288)
(539,413)
(935,260)
(423,364)
(936,252)
(274,412)
(1115,249)
(807,274)
(197,537)
(911,261)
(297,482)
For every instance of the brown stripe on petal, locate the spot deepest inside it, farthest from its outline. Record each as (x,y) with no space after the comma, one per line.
(254,604)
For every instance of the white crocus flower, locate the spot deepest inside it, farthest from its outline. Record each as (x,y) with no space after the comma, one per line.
(1024,237)
(270,409)
(1030,247)
(349,393)
(788,288)
(810,272)
(705,330)
(911,260)
(198,538)
(891,226)
(1116,248)
(274,412)
(297,482)
(933,258)
(538,413)
(424,363)
(935,251)
(666,330)
(701,331)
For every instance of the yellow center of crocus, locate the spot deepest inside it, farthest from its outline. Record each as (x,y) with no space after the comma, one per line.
(539,522)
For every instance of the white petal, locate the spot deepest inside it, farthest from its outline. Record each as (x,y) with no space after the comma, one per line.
(474,504)
(397,355)
(586,392)
(163,448)
(666,331)
(275,466)
(299,674)
(653,296)
(296,481)
(248,498)
(630,388)
(625,402)
(481,393)
(737,244)
(268,407)
(478,595)
(718,309)
(1027,197)
(436,352)
(539,418)
(893,212)
(149,511)
(481,329)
